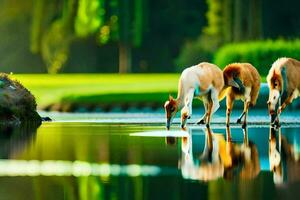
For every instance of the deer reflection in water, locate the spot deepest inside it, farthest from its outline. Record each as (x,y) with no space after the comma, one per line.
(283,158)
(220,158)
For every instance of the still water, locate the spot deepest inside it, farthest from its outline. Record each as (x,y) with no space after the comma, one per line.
(61,160)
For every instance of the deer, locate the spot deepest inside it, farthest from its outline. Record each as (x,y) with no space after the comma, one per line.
(242,81)
(203,81)
(284,85)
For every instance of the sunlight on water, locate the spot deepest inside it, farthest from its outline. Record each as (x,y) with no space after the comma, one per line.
(67,168)
(161,134)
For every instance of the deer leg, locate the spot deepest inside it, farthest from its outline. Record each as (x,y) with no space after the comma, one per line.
(228,134)
(186,111)
(213,105)
(202,120)
(209,140)
(246,106)
(229,105)
(246,140)
(244,114)
(285,103)
(281,108)
(209,113)
(239,120)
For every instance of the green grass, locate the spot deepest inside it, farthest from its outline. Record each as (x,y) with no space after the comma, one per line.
(100,88)
(50,89)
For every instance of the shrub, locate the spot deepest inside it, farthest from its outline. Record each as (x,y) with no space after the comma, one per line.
(260,54)
(196,51)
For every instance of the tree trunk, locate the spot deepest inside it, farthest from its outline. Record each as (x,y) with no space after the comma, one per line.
(227,13)
(37,24)
(124,58)
(238,19)
(125,37)
(255,19)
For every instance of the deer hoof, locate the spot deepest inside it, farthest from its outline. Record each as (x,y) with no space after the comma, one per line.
(244,125)
(201,121)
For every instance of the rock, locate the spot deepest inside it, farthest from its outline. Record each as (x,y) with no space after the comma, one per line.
(46,119)
(17,104)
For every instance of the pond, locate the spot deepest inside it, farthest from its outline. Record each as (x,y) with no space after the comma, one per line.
(63,160)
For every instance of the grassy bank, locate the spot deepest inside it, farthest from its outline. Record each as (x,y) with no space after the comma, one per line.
(99,88)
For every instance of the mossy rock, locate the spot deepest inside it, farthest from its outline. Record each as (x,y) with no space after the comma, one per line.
(17,104)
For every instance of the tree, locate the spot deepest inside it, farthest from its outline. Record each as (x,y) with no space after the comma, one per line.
(234,20)
(125,24)
(247,20)
(52,39)
(108,20)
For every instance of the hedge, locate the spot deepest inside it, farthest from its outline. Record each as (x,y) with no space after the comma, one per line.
(260,54)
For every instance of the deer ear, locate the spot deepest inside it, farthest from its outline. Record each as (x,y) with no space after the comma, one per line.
(170,98)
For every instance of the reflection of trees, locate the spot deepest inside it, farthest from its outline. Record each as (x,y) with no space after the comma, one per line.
(283,157)
(14,139)
(94,144)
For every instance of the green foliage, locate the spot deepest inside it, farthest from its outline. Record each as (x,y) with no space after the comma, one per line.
(52,39)
(90,16)
(37,25)
(138,22)
(202,49)
(214,18)
(111,20)
(194,52)
(114,20)
(260,53)
(55,47)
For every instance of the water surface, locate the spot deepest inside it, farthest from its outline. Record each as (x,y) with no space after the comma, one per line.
(63,160)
